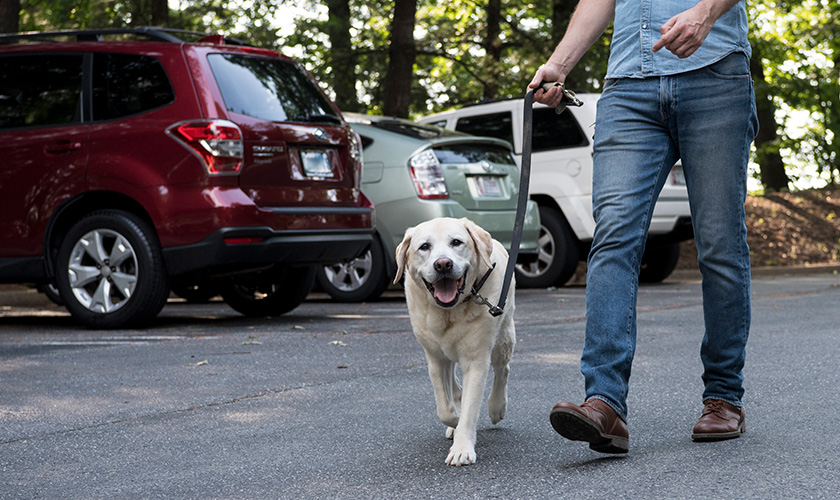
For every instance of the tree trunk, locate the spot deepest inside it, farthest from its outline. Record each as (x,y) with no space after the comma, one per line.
(401,55)
(149,13)
(9,16)
(342,57)
(159,13)
(772,167)
(493,49)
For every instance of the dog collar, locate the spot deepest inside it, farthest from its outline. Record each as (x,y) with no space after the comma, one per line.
(478,298)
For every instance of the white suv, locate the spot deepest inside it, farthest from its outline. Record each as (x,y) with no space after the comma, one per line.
(561,183)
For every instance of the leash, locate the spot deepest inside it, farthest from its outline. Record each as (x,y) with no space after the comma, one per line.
(569,98)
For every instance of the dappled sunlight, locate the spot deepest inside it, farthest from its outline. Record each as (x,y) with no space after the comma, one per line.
(249,417)
(562,358)
(10,365)
(364,316)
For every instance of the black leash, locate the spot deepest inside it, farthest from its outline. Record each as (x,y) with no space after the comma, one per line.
(569,98)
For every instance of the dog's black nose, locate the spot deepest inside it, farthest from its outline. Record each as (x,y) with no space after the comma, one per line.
(443,265)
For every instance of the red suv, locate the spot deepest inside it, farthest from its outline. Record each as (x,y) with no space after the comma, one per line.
(135,162)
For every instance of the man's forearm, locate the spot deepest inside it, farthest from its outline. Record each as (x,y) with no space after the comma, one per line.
(717,8)
(590,19)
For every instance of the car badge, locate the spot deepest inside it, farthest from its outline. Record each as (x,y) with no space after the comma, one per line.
(320,134)
(487,166)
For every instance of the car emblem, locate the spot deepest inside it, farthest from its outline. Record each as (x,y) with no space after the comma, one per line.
(320,134)
(487,166)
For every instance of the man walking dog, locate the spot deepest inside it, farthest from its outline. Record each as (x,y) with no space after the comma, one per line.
(677,87)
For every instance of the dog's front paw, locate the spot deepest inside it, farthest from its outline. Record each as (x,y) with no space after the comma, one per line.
(461,455)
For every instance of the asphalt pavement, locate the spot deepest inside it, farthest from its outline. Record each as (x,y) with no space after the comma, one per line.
(334,401)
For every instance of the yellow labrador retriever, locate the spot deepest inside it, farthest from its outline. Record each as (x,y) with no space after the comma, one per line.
(442,258)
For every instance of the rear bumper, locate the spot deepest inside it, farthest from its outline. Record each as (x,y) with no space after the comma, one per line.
(229,249)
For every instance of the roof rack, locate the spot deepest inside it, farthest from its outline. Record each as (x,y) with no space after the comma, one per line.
(151,33)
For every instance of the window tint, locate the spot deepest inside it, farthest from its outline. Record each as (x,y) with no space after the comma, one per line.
(126,84)
(270,89)
(553,131)
(498,125)
(38,90)
(473,154)
(414,130)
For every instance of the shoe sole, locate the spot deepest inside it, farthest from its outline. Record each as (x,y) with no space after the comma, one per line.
(720,436)
(574,426)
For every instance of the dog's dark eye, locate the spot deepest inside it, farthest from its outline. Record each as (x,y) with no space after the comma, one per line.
(425,246)
(457,243)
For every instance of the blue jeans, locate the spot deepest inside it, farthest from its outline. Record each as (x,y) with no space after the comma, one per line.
(706,118)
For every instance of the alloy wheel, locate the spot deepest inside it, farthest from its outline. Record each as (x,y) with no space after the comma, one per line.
(103,270)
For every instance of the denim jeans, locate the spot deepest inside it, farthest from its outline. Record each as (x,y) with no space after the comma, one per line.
(707,119)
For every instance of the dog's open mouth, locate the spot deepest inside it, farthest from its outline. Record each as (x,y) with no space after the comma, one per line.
(446,291)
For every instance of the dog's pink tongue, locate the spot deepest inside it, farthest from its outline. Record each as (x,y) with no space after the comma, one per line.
(446,290)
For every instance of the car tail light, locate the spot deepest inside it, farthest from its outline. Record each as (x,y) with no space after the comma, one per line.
(427,176)
(217,143)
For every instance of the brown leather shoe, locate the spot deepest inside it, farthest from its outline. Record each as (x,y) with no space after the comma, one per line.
(720,420)
(594,422)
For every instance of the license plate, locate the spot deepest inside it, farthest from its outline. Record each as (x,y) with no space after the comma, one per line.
(678,176)
(484,186)
(316,163)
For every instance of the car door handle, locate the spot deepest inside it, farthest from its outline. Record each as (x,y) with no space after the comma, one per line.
(63,147)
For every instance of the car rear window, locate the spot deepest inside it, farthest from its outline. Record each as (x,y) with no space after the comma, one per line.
(474,153)
(270,89)
(128,84)
(498,125)
(551,131)
(40,89)
(414,130)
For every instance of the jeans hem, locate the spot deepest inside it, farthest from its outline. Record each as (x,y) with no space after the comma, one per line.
(733,402)
(612,405)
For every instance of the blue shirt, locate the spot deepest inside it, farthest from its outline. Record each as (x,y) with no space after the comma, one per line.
(636,30)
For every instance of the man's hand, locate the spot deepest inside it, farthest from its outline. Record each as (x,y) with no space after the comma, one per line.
(547,73)
(684,33)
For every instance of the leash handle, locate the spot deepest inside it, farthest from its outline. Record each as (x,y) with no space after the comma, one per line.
(522,202)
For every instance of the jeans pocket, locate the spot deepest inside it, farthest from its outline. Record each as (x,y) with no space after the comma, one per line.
(735,66)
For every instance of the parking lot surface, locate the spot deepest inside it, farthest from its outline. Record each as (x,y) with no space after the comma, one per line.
(334,401)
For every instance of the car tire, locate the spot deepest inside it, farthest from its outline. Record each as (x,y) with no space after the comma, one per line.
(271,292)
(558,253)
(110,271)
(358,280)
(658,262)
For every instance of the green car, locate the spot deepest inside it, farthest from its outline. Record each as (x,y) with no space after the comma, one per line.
(414,173)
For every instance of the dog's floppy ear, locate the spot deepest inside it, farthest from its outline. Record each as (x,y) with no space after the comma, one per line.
(402,254)
(482,240)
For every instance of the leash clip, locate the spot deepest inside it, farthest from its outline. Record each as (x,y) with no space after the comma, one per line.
(480,299)
(569,97)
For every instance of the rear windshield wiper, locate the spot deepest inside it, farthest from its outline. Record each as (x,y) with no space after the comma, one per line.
(323,118)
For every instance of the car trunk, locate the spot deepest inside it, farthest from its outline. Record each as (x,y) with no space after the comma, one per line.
(298,150)
(480,176)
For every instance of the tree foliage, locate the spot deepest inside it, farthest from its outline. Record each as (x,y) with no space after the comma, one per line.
(469,50)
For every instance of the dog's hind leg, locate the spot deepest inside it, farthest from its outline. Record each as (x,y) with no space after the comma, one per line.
(500,360)
(456,388)
(456,398)
(442,375)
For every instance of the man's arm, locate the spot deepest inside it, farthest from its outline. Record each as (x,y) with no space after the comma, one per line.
(684,33)
(590,19)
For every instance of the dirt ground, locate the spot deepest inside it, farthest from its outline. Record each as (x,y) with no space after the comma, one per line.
(788,229)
